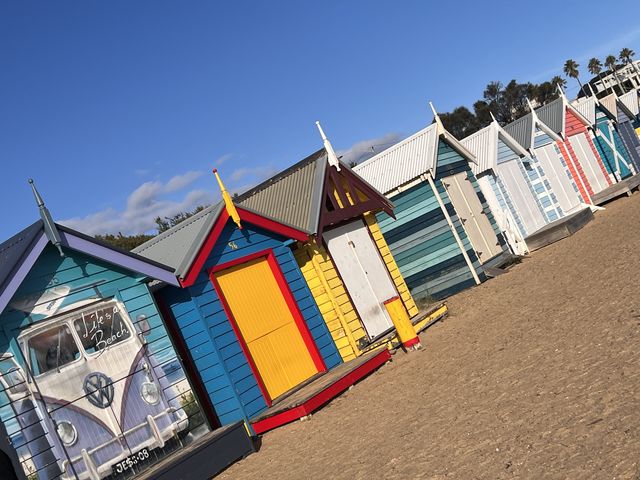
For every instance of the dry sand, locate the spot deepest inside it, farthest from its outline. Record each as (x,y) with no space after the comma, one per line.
(535,374)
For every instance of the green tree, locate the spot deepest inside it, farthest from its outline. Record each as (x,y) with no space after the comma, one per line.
(166,223)
(460,122)
(610,63)
(595,67)
(626,56)
(571,70)
(124,242)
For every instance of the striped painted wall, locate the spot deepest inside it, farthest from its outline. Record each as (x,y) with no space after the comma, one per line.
(588,158)
(505,202)
(606,130)
(229,381)
(421,241)
(629,138)
(546,199)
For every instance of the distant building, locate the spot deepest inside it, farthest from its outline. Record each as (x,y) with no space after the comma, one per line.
(627,76)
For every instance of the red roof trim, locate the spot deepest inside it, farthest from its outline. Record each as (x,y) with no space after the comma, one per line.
(246,216)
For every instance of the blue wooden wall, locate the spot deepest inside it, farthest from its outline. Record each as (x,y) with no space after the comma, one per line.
(87,278)
(605,151)
(422,242)
(221,363)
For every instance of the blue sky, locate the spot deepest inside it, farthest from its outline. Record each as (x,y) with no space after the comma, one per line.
(120,109)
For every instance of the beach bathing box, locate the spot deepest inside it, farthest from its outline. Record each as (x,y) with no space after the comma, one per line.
(516,188)
(346,261)
(444,232)
(626,115)
(247,317)
(90,383)
(618,160)
(589,171)
(549,154)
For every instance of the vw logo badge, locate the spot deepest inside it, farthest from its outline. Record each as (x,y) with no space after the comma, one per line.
(99,389)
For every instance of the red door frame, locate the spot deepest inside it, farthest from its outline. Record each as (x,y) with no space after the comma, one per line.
(291,303)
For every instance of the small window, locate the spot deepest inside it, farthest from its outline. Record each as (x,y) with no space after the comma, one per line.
(52,349)
(100,328)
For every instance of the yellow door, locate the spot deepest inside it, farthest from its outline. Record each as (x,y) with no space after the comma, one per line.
(267,325)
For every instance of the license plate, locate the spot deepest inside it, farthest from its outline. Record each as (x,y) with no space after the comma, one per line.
(131,461)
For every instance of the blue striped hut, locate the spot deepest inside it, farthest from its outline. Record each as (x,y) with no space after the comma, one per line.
(444,232)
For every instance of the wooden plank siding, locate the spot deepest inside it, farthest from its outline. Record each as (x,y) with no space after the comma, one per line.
(330,294)
(329,291)
(392,266)
(421,241)
(230,383)
(88,278)
(629,138)
(575,127)
(606,153)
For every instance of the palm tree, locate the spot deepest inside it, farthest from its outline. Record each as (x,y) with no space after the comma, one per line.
(557,80)
(610,63)
(571,70)
(626,56)
(595,68)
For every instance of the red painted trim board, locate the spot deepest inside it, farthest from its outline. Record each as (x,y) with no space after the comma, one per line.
(216,230)
(323,396)
(291,304)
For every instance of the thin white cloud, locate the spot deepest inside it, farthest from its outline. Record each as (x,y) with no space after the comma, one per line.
(611,47)
(257,174)
(144,204)
(149,201)
(222,159)
(364,149)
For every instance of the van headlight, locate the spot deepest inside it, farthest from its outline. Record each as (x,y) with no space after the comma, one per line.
(150,393)
(67,433)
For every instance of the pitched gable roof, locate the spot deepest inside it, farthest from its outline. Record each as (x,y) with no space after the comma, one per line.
(407,160)
(553,115)
(19,253)
(484,145)
(14,249)
(631,102)
(178,246)
(293,195)
(522,130)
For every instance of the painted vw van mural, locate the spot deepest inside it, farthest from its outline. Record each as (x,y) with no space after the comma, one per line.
(93,390)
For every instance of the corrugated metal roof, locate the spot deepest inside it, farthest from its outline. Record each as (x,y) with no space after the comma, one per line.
(178,246)
(484,145)
(403,162)
(552,115)
(630,100)
(13,249)
(521,130)
(587,108)
(293,196)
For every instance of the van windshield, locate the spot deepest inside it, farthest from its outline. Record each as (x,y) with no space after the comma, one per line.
(101,327)
(52,349)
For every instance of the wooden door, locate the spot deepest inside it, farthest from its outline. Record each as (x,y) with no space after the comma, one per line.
(364,274)
(560,179)
(268,327)
(469,209)
(589,162)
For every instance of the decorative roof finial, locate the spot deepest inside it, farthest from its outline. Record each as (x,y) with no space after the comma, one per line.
(228,201)
(529,104)
(493,118)
(332,158)
(50,229)
(436,117)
